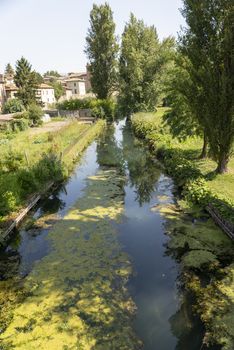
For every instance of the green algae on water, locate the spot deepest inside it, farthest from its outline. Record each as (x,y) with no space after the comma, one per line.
(78,297)
(203,249)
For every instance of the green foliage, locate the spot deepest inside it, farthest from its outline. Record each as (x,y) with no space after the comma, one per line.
(102,50)
(207,45)
(59,90)
(183,117)
(141,66)
(13,105)
(185,171)
(27,165)
(13,161)
(9,70)
(8,202)
(27,81)
(100,108)
(52,73)
(35,113)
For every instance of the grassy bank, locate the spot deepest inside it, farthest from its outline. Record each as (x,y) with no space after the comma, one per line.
(195,176)
(204,251)
(29,161)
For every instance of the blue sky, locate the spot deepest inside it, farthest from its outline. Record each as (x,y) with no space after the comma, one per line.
(51,33)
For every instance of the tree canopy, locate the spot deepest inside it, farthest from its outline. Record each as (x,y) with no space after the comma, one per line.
(102,51)
(27,82)
(141,64)
(207,44)
(9,70)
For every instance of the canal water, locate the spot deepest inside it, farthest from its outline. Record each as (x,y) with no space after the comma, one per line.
(89,269)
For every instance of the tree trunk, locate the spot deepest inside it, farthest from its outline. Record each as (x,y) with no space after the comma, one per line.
(205,147)
(222,164)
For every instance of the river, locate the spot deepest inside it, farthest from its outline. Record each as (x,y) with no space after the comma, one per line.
(90,269)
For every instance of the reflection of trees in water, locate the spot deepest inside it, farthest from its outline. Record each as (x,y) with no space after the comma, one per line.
(186,327)
(143,173)
(108,152)
(53,203)
(9,263)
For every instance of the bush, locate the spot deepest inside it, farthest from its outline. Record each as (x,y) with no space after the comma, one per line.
(27,181)
(13,105)
(105,108)
(8,202)
(35,114)
(13,161)
(19,125)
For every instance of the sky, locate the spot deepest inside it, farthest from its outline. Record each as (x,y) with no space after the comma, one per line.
(51,33)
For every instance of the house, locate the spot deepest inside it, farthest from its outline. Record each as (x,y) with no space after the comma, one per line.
(76,85)
(11,91)
(45,93)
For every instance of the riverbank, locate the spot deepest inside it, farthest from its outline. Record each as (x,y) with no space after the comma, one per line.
(194,176)
(205,253)
(30,162)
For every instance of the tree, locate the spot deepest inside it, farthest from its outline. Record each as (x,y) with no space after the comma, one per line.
(102,51)
(141,63)
(207,43)
(9,70)
(185,117)
(52,73)
(27,81)
(59,90)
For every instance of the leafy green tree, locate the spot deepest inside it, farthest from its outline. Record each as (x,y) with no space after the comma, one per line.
(9,70)
(102,51)
(59,90)
(185,117)
(207,43)
(141,65)
(13,105)
(52,73)
(27,81)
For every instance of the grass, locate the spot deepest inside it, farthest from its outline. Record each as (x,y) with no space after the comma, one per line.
(29,162)
(34,146)
(223,185)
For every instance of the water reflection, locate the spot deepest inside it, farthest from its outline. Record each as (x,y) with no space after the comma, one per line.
(143,174)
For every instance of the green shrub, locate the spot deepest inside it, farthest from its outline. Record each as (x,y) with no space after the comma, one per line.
(35,114)
(19,125)
(197,192)
(27,181)
(13,161)
(105,108)
(13,105)
(8,202)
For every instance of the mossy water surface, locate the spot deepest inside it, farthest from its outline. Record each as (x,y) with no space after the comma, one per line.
(77,296)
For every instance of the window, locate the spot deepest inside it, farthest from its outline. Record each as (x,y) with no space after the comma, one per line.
(75,91)
(74,84)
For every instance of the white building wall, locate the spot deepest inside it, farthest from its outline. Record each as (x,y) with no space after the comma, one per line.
(77,87)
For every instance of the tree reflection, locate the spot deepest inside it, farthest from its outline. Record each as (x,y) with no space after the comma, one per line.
(140,163)
(186,327)
(108,152)
(53,203)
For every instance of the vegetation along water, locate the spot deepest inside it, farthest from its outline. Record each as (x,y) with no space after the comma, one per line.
(110,261)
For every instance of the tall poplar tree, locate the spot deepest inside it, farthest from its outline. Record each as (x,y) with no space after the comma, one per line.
(208,44)
(102,51)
